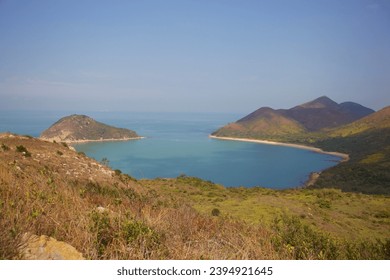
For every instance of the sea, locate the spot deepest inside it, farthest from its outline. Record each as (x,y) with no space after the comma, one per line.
(176,144)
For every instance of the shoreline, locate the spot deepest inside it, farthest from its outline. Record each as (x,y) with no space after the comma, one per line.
(344,157)
(92,140)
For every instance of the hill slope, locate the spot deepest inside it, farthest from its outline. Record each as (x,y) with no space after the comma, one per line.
(290,124)
(367,141)
(76,128)
(263,123)
(378,120)
(49,189)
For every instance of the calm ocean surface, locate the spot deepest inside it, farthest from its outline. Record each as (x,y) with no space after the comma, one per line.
(178,143)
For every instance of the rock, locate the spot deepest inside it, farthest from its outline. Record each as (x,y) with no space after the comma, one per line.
(43,247)
(101,209)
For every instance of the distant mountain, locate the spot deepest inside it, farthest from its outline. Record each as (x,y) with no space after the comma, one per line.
(77,128)
(325,113)
(264,122)
(356,110)
(321,113)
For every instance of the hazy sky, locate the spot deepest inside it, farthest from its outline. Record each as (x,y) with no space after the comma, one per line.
(182,55)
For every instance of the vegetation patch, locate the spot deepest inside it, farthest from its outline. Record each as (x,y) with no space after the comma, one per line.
(4,147)
(23,150)
(374,158)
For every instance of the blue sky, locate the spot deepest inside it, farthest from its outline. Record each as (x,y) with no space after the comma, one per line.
(199,56)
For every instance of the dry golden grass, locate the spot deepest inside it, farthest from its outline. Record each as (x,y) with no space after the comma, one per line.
(106,216)
(57,192)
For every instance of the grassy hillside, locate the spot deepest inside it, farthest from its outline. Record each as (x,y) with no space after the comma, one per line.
(368,170)
(328,210)
(378,120)
(47,188)
(265,123)
(367,141)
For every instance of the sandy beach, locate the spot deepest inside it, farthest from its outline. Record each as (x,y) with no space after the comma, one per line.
(345,157)
(88,141)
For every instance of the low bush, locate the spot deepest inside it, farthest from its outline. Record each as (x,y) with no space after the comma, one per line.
(23,150)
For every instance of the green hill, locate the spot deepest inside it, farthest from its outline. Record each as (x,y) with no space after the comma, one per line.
(296,123)
(76,128)
(264,123)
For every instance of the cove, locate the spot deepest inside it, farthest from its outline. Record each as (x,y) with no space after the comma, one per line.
(178,143)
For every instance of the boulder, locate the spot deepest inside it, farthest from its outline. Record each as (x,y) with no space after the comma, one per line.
(43,247)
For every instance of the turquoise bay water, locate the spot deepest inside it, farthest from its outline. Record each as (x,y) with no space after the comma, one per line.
(178,143)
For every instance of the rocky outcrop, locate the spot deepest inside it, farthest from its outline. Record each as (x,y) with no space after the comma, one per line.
(43,247)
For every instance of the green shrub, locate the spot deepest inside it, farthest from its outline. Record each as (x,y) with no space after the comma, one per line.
(106,191)
(22,149)
(101,225)
(4,147)
(324,203)
(215,212)
(105,161)
(140,235)
(304,242)
(134,229)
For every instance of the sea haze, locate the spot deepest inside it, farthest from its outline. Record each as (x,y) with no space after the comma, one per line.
(178,143)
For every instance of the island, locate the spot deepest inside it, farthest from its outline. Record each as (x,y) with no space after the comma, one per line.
(81,128)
